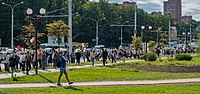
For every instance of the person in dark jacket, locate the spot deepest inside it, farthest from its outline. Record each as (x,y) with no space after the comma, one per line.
(63,58)
(12,63)
(105,55)
(43,60)
(78,57)
(28,62)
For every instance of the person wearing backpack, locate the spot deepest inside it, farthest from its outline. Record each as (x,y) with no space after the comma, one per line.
(63,60)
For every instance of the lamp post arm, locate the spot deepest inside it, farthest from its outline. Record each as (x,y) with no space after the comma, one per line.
(17,5)
(101,19)
(93,19)
(7,5)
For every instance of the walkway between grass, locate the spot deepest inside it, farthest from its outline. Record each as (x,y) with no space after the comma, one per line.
(18,74)
(107,83)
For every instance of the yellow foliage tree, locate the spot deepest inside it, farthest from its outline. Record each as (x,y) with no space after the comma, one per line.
(57,29)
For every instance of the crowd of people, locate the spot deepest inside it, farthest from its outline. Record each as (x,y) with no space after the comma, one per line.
(26,61)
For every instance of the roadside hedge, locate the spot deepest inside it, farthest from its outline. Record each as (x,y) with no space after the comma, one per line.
(149,57)
(183,57)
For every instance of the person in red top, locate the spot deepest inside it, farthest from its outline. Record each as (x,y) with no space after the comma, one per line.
(40,57)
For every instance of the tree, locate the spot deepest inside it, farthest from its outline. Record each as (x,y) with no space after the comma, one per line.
(137,43)
(151,45)
(28,34)
(162,37)
(198,48)
(57,29)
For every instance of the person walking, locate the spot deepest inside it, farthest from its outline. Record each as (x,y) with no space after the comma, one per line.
(55,58)
(83,56)
(12,63)
(114,53)
(43,60)
(87,56)
(63,60)
(28,62)
(92,57)
(7,62)
(16,60)
(105,55)
(22,60)
(40,58)
(78,57)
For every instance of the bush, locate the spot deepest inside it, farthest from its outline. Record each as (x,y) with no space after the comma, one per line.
(183,57)
(149,57)
(15,78)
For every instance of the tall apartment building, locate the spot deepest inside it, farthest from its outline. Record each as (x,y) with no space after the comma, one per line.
(174,7)
(127,3)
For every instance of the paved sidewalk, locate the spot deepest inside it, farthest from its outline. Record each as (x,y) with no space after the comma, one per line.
(8,75)
(107,83)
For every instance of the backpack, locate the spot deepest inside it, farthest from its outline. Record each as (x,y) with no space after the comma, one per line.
(58,63)
(28,58)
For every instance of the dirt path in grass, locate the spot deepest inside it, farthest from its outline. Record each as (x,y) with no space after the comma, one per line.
(172,69)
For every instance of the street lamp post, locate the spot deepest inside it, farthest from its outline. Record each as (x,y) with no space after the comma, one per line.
(190,36)
(121,32)
(12,10)
(121,26)
(36,18)
(70,26)
(135,23)
(97,28)
(185,33)
(169,33)
(142,28)
(149,28)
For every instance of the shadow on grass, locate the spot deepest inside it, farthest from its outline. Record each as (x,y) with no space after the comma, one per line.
(73,88)
(45,78)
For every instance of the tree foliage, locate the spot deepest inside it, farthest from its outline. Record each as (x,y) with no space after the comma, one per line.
(162,37)
(57,29)
(151,45)
(28,33)
(137,43)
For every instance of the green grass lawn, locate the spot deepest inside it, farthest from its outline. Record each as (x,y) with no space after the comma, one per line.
(132,89)
(100,74)
(170,62)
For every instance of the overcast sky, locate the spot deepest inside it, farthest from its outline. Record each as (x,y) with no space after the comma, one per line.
(189,7)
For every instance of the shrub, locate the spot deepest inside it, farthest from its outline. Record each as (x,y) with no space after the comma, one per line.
(149,57)
(183,57)
(15,78)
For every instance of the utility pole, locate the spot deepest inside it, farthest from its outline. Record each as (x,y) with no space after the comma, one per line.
(70,26)
(169,33)
(135,28)
(190,35)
